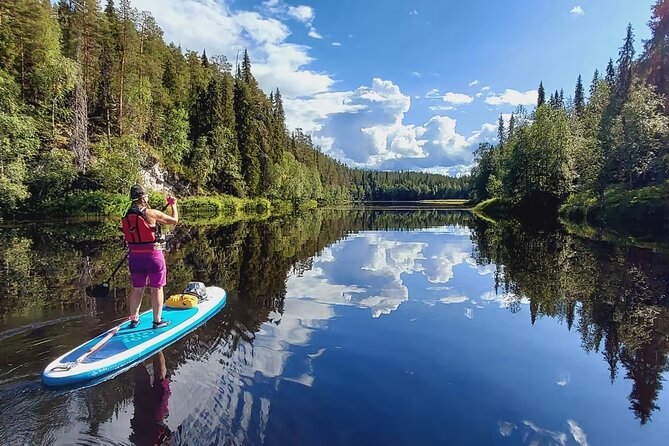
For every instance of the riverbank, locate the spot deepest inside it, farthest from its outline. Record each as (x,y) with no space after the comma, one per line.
(627,216)
(229,208)
(637,212)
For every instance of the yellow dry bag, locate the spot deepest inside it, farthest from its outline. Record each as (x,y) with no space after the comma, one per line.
(182,301)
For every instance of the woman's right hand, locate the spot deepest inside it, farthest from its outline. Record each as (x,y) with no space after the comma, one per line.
(172,201)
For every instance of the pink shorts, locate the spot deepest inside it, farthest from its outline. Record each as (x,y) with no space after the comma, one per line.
(147,266)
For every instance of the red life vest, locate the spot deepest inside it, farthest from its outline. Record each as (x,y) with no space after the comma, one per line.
(136,229)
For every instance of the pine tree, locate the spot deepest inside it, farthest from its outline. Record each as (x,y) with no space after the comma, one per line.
(279,132)
(247,134)
(561,102)
(610,74)
(655,59)
(541,97)
(625,67)
(105,104)
(555,99)
(579,99)
(595,81)
(85,36)
(501,133)
(127,15)
(512,125)
(79,141)
(64,13)
(247,76)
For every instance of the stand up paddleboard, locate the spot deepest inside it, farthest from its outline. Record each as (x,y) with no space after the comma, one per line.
(122,345)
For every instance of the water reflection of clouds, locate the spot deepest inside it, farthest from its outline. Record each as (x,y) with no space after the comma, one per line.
(367,270)
(563,380)
(533,434)
(505,300)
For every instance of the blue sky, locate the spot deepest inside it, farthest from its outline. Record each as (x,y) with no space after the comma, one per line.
(389,84)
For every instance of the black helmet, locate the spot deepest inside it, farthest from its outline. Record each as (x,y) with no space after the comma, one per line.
(137,192)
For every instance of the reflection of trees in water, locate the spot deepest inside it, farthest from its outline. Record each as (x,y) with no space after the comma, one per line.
(621,296)
(48,266)
(612,296)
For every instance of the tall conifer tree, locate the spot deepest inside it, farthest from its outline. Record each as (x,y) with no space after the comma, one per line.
(610,74)
(595,81)
(541,95)
(655,59)
(501,133)
(625,67)
(512,126)
(579,99)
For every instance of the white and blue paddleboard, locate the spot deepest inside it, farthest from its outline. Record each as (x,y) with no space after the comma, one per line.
(122,345)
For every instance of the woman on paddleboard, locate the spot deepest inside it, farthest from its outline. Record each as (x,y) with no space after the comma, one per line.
(145,252)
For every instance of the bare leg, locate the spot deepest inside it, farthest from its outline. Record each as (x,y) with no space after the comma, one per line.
(135,300)
(157,303)
(159,369)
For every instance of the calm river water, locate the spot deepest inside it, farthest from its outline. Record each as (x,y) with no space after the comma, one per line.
(356,327)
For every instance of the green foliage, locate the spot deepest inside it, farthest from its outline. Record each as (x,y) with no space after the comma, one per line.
(540,166)
(292,180)
(642,142)
(86,203)
(174,137)
(219,204)
(54,175)
(225,205)
(622,207)
(117,164)
(18,144)
(616,141)
(202,163)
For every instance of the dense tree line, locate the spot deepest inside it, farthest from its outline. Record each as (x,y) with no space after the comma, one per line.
(615,138)
(89,95)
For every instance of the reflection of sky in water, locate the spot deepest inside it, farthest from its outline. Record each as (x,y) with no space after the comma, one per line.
(398,337)
(408,326)
(377,271)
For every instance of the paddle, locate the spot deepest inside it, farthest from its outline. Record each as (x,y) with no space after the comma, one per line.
(92,350)
(102,289)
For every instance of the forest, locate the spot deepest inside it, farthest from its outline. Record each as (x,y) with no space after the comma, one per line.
(602,154)
(91,95)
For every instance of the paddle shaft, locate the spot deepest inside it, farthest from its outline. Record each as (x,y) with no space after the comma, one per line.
(92,350)
(117,268)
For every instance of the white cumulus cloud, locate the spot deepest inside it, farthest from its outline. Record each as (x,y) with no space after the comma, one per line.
(457,98)
(373,133)
(304,14)
(474,82)
(441,107)
(577,10)
(313,33)
(512,97)
(336,44)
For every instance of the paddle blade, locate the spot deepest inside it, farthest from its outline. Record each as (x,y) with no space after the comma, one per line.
(100,290)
